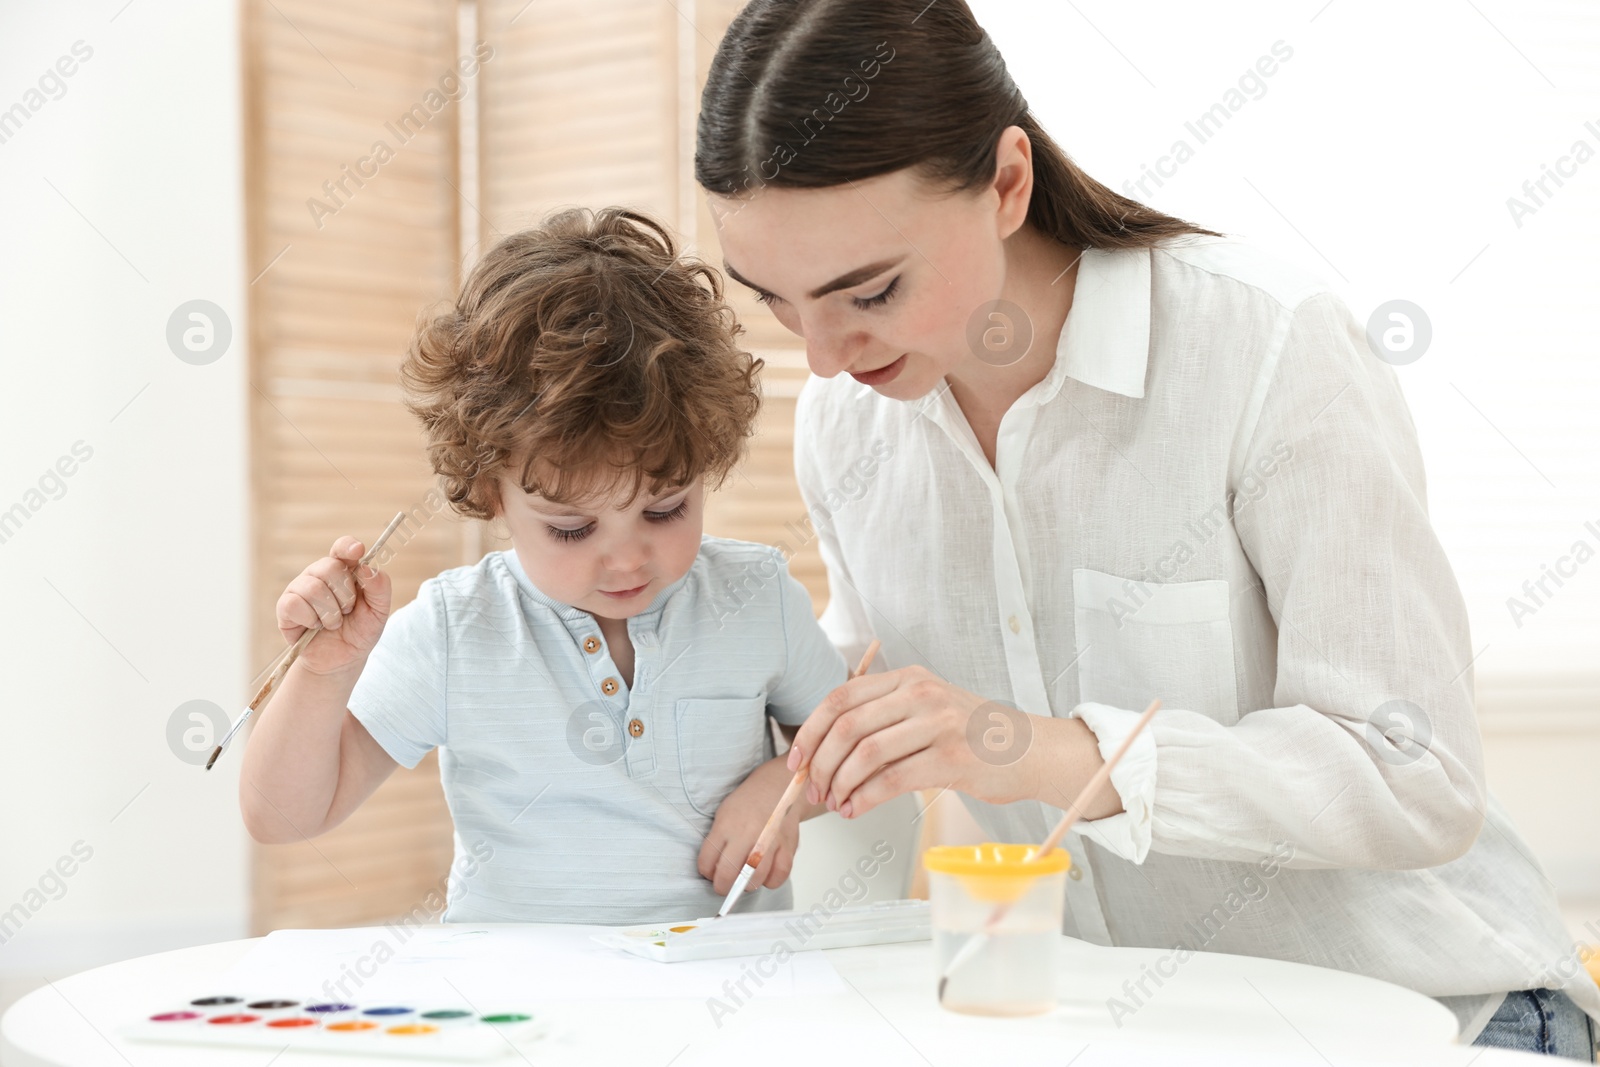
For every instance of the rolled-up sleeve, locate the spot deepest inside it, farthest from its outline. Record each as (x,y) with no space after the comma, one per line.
(1134,778)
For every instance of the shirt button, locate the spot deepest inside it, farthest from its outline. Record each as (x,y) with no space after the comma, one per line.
(591,644)
(609,687)
(1016,627)
(636,728)
(1075,874)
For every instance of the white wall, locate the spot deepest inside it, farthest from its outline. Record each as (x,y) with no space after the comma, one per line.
(124,592)
(1382,154)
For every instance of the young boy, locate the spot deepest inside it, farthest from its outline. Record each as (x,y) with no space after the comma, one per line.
(599,692)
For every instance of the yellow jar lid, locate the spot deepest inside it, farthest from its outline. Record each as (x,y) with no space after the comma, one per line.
(995,860)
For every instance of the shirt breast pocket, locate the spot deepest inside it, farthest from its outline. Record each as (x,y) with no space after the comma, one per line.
(1137,641)
(720,741)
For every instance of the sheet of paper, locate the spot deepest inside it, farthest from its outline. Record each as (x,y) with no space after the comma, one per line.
(480,965)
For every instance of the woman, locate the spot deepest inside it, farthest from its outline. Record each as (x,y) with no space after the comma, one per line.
(1128,459)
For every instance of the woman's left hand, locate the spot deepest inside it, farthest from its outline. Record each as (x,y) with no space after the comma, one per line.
(881,735)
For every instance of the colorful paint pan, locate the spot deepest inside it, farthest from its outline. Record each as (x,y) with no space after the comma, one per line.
(447,1032)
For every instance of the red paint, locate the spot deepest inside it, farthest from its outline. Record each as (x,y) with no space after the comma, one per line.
(233,1020)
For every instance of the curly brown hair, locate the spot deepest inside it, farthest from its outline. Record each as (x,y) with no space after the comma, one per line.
(583,353)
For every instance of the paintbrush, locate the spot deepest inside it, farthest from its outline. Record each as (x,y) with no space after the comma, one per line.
(286,659)
(790,795)
(978,940)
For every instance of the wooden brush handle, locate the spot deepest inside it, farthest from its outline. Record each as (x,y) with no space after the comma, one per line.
(770,831)
(287,658)
(791,794)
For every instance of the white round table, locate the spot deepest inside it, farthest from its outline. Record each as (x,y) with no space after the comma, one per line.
(1215,1009)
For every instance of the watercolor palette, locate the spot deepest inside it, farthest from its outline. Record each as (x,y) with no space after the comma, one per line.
(760,932)
(424,1032)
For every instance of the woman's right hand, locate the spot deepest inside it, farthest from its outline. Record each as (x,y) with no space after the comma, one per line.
(351,602)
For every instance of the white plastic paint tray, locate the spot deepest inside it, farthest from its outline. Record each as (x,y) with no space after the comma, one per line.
(762,932)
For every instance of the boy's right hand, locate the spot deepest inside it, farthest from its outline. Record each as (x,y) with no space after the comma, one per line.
(349,600)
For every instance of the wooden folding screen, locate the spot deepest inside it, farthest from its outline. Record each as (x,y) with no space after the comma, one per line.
(347,241)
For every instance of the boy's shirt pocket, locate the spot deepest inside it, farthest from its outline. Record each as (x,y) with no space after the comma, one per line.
(720,741)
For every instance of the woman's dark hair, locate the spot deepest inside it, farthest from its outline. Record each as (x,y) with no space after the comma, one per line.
(817,93)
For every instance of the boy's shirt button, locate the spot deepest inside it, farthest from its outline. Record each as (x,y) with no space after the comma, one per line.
(591,644)
(636,728)
(609,687)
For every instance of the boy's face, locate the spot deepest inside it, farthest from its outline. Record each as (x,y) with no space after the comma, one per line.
(599,555)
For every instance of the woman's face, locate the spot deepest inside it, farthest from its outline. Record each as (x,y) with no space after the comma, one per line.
(880,277)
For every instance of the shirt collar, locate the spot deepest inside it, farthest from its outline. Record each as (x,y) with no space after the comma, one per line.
(1106,340)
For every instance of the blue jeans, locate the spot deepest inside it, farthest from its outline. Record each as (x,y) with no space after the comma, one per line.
(1543,1021)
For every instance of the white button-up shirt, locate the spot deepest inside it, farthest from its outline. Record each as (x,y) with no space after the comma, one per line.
(1215,497)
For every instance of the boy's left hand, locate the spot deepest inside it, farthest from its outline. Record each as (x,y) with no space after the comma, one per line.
(738,823)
